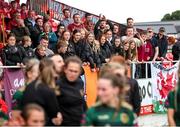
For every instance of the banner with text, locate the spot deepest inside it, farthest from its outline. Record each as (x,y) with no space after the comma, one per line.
(12,80)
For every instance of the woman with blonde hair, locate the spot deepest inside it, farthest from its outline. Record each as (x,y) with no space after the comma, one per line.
(118,66)
(93,56)
(133,50)
(111,109)
(125,52)
(43,91)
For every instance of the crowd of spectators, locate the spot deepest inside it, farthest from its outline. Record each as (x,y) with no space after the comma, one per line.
(78,43)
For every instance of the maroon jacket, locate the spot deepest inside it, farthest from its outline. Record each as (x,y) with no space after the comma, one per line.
(145,51)
(73,26)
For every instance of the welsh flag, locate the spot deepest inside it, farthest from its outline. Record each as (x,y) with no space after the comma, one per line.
(164,80)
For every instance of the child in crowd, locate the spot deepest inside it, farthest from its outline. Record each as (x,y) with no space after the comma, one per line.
(26,43)
(13,54)
(40,52)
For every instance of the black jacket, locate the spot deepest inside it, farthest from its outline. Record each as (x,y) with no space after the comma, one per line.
(93,57)
(176,51)
(42,95)
(38,56)
(20,32)
(70,51)
(98,31)
(163,45)
(105,52)
(29,52)
(11,55)
(80,49)
(71,101)
(35,35)
(34,32)
(117,50)
(133,96)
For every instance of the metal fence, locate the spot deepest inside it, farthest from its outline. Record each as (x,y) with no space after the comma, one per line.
(141,70)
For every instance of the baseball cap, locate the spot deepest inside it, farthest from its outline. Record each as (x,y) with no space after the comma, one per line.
(149,29)
(162,29)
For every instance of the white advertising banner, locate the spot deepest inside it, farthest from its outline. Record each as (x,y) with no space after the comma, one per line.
(154,90)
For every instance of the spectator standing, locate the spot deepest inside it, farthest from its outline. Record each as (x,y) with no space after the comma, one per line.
(116,31)
(145,50)
(70,48)
(60,30)
(20,31)
(109,38)
(130,35)
(125,52)
(77,24)
(93,56)
(105,52)
(88,22)
(162,43)
(13,22)
(144,54)
(133,50)
(176,51)
(154,43)
(51,36)
(101,26)
(79,46)
(14,7)
(24,11)
(67,18)
(117,47)
(30,22)
(38,29)
(130,23)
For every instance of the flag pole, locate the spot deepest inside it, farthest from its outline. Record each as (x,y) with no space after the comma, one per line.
(3,29)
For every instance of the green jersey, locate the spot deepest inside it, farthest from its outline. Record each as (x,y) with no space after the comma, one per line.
(174,103)
(18,97)
(103,115)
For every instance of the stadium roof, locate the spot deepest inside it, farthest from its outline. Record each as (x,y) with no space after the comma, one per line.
(172,27)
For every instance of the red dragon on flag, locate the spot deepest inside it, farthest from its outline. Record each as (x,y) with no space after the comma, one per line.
(166,82)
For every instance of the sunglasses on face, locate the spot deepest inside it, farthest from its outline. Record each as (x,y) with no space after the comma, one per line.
(149,31)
